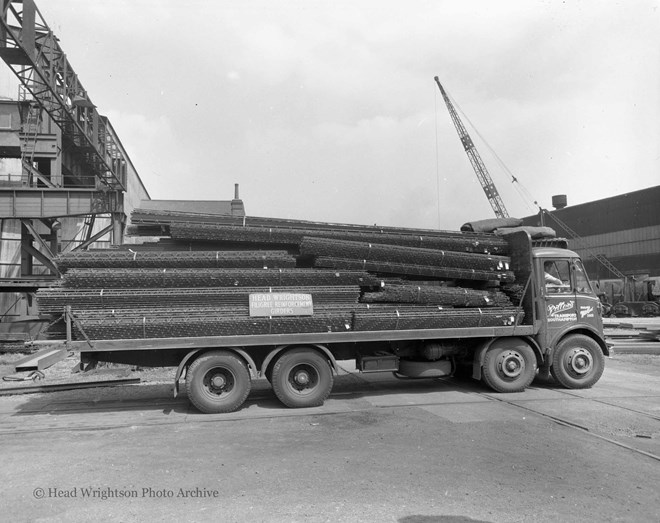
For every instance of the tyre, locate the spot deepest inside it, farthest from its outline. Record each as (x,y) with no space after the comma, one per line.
(578,362)
(218,381)
(509,368)
(302,378)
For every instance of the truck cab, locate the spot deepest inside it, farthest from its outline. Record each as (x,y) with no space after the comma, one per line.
(569,315)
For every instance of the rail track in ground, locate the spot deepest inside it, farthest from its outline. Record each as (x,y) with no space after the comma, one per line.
(607,416)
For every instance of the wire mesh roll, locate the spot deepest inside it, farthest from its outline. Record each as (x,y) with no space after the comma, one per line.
(53,301)
(398,254)
(148,278)
(185,325)
(483,244)
(200,312)
(165,218)
(174,259)
(211,233)
(514,291)
(384,317)
(446,273)
(426,294)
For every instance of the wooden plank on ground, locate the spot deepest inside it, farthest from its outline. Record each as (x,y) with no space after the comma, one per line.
(41,360)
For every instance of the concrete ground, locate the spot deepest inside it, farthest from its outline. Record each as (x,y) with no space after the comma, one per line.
(380,449)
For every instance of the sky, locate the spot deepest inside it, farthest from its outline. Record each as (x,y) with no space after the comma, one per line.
(328,110)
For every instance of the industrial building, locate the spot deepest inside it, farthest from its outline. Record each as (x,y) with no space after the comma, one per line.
(616,237)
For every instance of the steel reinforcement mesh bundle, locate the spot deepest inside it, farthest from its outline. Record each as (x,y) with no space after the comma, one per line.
(441,273)
(177,278)
(165,291)
(185,326)
(404,317)
(148,222)
(405,255)
(54,300)
(458,242)
(173,259)
(437,295)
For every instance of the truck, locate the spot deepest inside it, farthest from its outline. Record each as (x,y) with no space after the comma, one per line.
(556,331)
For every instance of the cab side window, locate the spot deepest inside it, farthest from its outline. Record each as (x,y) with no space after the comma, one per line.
(582,284)
(557,276)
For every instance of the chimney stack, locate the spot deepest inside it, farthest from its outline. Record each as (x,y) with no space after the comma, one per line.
(237,207)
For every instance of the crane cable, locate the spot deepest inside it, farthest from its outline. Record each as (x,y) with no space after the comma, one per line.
(522,191)
(437,158)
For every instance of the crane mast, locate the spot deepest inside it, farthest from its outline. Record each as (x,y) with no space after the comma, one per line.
(477,163)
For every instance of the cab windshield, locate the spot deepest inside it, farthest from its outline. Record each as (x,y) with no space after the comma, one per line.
(565,276)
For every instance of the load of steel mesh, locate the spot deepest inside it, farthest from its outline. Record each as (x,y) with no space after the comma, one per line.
(212,233)
(237,311)
(398,254)
(514,291)
(445,273)
(403,317)
(173,259)
(175,278)
(482,244)
(54,300)
(437,295)
(184,325)
(166,218)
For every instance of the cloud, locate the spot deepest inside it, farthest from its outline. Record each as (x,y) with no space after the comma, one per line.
(328,110)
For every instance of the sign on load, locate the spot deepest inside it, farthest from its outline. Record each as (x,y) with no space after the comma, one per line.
(281,304)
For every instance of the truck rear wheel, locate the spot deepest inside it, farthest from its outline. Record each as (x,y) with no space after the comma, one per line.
(578,362)
(509,369)
(302,378)
(218,381)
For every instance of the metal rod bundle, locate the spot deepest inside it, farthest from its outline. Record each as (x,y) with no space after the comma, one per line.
(180,326)
(482,244)
(212,233)
(175,278)
(400,317)
(53,301)
(145,217)
(173,259)
(437,295)
(443,273)
(200,312)
(398,254)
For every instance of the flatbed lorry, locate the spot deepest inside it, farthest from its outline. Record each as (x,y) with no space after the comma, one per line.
(561,334)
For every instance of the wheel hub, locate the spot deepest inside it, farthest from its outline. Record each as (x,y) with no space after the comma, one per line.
(580,361)
(218,381)
(301,378)
(511,364)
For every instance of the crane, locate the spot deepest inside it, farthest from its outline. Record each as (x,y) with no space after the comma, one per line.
(477,163)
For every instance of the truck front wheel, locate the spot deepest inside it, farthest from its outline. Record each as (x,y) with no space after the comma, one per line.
(302,378)
(509,369)
(578,362)
(218,381)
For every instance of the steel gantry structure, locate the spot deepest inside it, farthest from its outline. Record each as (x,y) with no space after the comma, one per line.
(31,50)
(66,181)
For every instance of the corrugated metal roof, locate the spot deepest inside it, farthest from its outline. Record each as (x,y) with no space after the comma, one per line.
(633,210)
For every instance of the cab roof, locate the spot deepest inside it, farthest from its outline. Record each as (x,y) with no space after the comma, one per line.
(553,252)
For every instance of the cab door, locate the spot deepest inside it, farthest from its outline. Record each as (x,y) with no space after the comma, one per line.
(568,298)
(559,298)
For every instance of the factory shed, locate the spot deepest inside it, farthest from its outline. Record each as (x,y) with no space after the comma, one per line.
(623,230)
